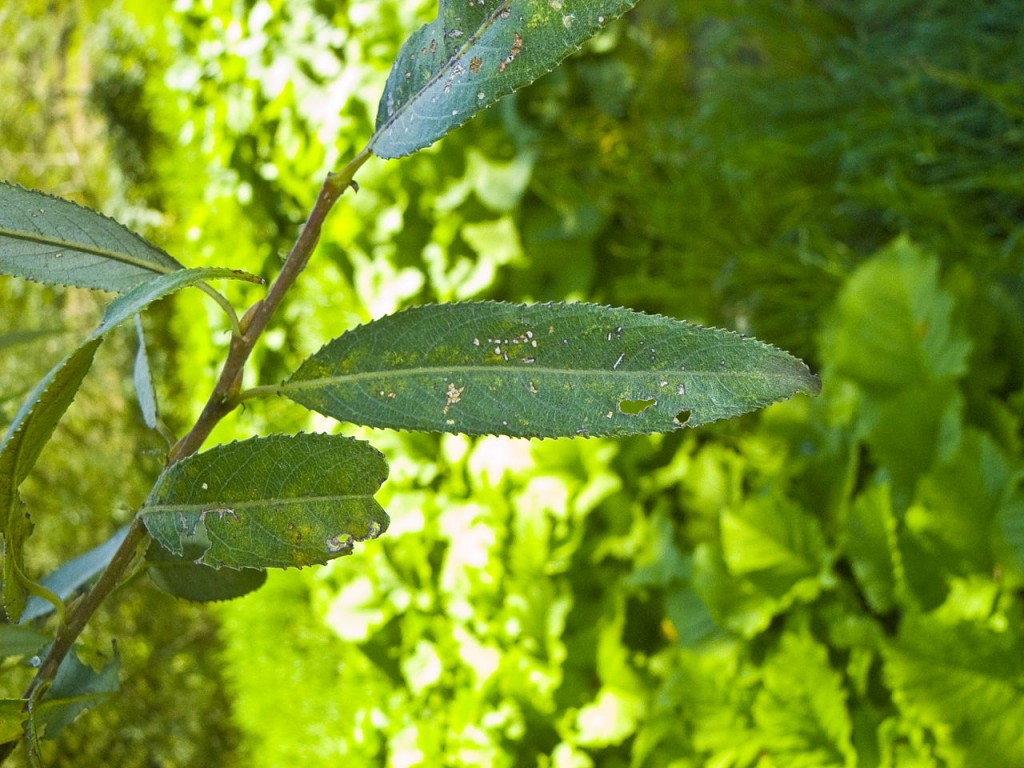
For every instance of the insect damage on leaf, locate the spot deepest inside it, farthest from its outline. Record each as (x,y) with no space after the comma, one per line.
(471,55)
(547,370)
(266,502)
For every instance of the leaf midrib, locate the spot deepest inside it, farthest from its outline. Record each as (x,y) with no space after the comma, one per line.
(470,42)
(220,506)
(323,381)
(93,250)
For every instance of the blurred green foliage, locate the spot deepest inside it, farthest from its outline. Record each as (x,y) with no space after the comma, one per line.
(833,582)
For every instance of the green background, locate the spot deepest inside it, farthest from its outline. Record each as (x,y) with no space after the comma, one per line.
(832,582)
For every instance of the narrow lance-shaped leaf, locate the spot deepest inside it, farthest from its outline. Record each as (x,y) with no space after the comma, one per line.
(55,241)
(546,370)
(76,688)
(143,379)
(27,434)
(472,54)
(273,501)
(73,575)
(35,421)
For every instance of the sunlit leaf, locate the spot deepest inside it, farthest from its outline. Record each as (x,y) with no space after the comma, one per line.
(12,719)
(541,371)
(273,501)
(804,718)
(776,545)
(966,682)
(872,546)
(472,54)
(55,241)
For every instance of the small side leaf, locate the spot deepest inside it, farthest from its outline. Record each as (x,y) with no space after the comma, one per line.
(73,575)
(470,56)
(55,241)
(273,501)
(142,377)
(27,434)
(549,370)
(141,296)
(76,688)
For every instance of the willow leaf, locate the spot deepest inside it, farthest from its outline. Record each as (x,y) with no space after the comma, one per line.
(76,688)
(27,434)
(180,576)
(142,377)
(273,501)
(74,574)
(472,54)
(55,241)
(545,370)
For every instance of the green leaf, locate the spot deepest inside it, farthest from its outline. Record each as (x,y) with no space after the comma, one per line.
(802,710)
(55,241)
(26,435)
(545,370)
(35,421)
(180,576)
(472,54)
(12,719)
(893,323)
(775,545)
(956,519)
(141,296)
(142,377)
(273,501)
(73,575)
(20,641)
(873,548)
(76,688)
(966,683)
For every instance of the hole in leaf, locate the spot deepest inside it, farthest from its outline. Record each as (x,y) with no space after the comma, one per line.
(634,407)
(682,417)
